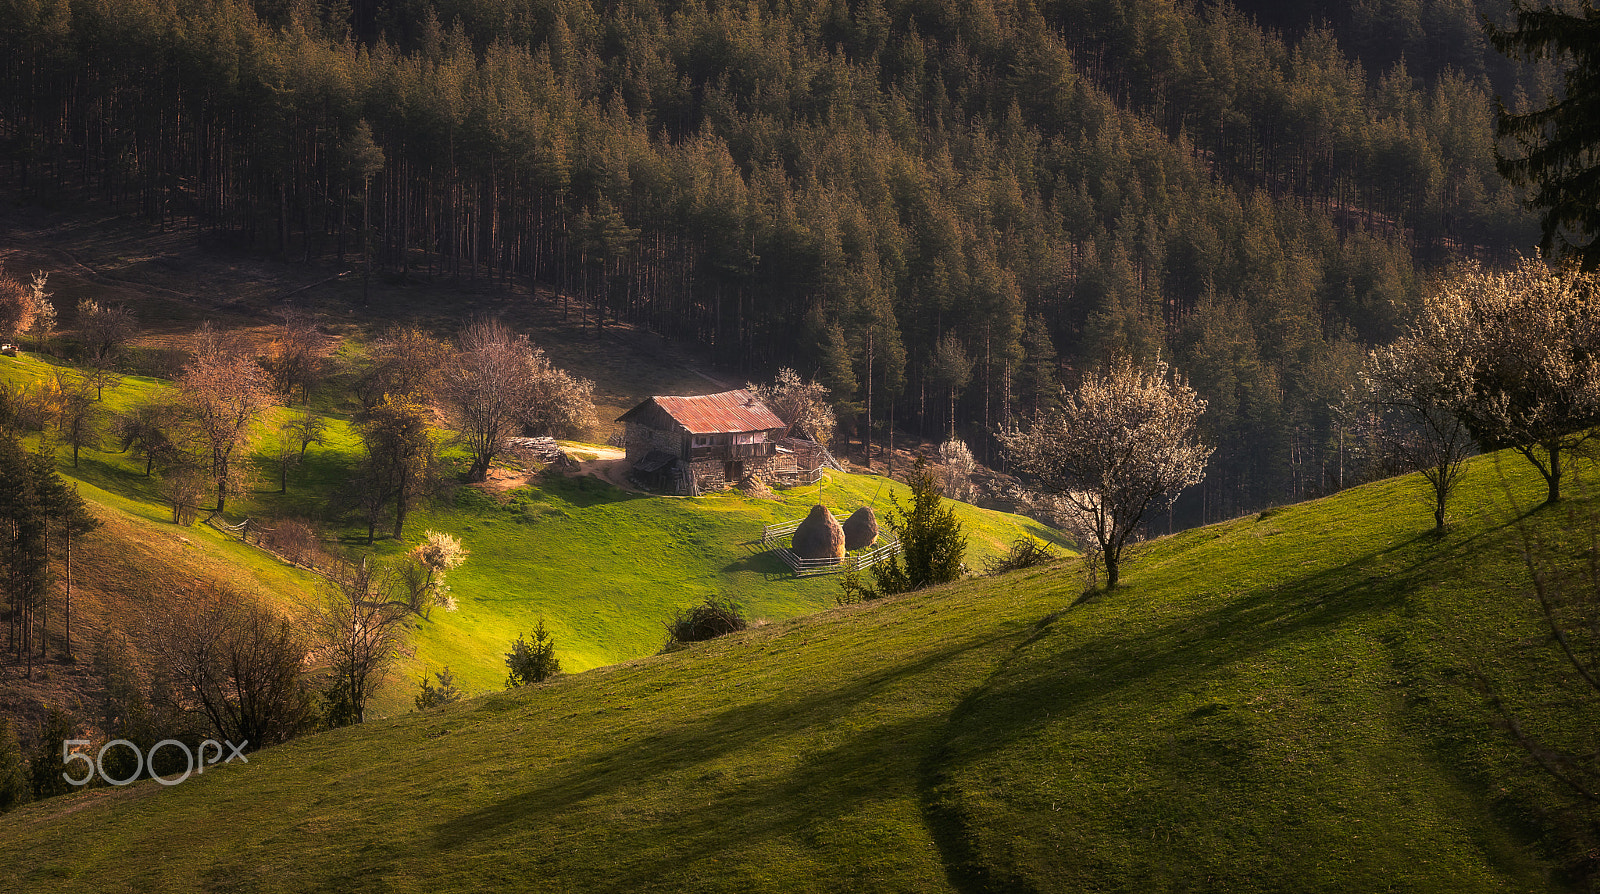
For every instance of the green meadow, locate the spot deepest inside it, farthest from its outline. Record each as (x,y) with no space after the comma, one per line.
(604,568)
(1295,701)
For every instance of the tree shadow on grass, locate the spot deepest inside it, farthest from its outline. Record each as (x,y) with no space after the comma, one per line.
(769,566)
(1018,700)
(836,768)
(585,491)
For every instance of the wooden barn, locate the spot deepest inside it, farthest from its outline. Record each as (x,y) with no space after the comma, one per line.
(689,445)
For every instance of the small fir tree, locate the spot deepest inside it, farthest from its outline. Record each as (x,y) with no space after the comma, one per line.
(931,540)
(533,662)
(432,696)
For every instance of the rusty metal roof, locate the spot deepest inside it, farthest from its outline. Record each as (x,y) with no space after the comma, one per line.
(708,414)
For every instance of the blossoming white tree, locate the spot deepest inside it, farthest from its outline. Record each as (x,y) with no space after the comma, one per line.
(1123,445)
(1520,355)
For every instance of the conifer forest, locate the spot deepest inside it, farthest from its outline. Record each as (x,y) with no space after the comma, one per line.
(944,210)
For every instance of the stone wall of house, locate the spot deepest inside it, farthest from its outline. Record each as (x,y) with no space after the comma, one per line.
(711,474)
(639,440)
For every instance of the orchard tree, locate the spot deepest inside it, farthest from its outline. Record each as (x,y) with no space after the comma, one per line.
(1124,445)
(359,625)
(295,360)
(44,311)
(956,466)
(799,403)
(1404,406)
(156,431)
(1520,353)
(73,410)
(406,361)
(1557,141)
(104,330)
(307,428)
(16,307)
(422,572)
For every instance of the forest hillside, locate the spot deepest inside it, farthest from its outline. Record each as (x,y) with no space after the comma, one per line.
(943,211)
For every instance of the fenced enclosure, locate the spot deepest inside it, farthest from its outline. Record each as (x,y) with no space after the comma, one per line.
(774,536)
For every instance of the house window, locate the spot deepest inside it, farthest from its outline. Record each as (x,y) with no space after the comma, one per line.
(702,440)
(746,438)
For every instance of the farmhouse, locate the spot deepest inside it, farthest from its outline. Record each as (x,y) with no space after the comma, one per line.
(688,445)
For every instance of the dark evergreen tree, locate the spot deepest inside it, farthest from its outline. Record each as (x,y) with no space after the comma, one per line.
(1558,141)
(931,540)
(532,662)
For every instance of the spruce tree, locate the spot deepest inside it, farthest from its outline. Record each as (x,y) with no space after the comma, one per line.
(1558,140)
(931,539)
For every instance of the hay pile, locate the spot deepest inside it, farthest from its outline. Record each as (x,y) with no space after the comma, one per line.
(861,528)
(756,489)
(819,536)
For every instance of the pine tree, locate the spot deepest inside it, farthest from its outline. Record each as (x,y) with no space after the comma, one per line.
(45,765)
(1558,140)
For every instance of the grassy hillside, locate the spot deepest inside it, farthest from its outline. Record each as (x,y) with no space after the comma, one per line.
(1282,702)
(603,567)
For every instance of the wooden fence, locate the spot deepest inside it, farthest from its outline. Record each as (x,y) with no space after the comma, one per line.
(772,535)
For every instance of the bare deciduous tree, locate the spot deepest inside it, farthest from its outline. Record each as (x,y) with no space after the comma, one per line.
(359,625)
(73,411)
(237,664)
(104,330)
(401,458)
(155,431)
(498,384)
(405,362)
(1124,444)
(223,392)
(1520,352)
(183,485)
(295,359)
(283,455)
(307,428)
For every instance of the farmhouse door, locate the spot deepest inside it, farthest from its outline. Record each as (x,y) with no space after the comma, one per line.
(734,472)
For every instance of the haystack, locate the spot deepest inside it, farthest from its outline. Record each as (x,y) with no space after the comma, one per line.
(861,528)
(819,536)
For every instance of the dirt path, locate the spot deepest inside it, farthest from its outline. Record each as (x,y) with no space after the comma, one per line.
(610,466)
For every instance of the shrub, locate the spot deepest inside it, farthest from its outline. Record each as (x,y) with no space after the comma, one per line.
(1025,552)
(298,541)
(13,770)
(46,766)
(533,662)
(432,696)
(708,620)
